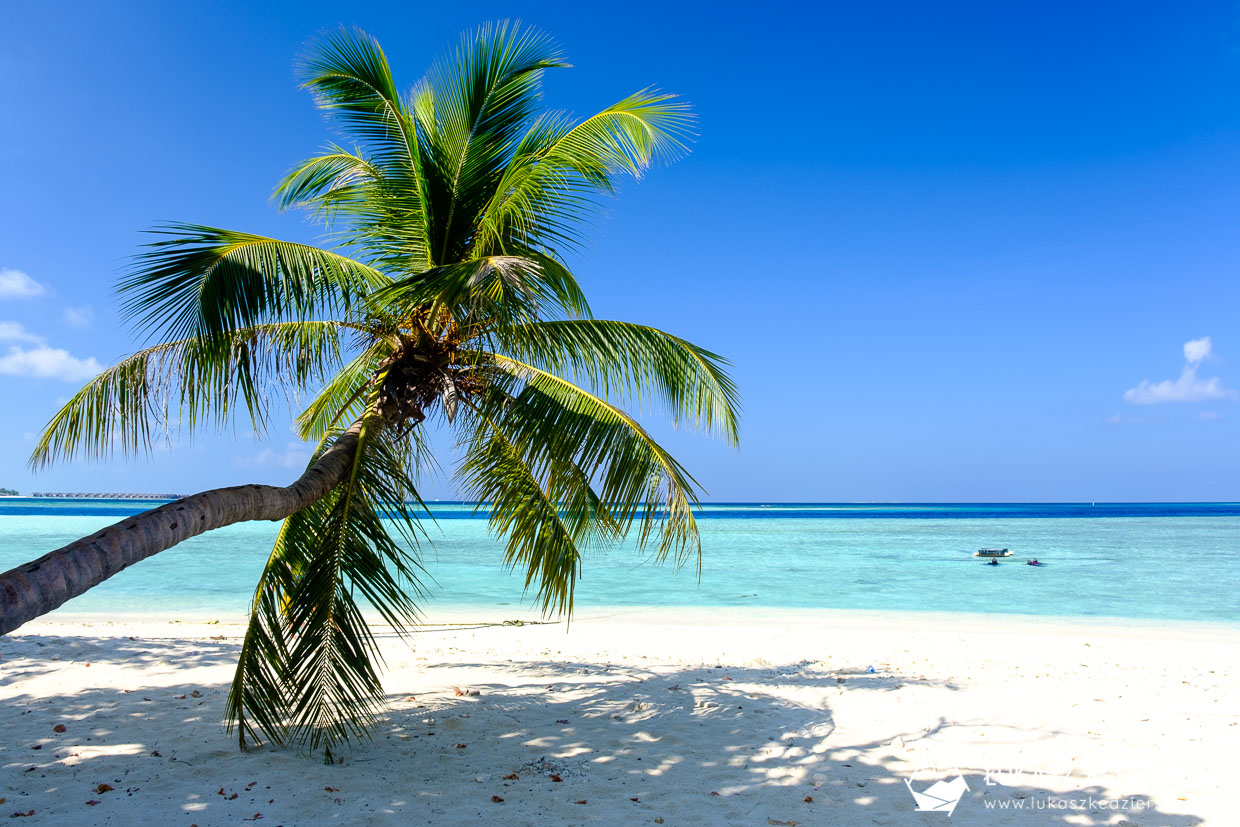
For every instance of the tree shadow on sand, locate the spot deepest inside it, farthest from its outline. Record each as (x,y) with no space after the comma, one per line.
(689,745)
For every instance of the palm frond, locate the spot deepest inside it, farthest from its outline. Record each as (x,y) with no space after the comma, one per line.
(545,519)
(308,666)
(553,424)
(187,383)
(558,165)
(326,180)
(635,364)
(343,397)
(204,281)
(482,101)
(488,292)
(349,76)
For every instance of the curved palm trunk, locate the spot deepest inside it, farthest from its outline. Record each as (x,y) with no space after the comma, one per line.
(36,588)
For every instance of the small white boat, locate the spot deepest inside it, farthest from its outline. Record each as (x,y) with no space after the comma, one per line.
(992,553)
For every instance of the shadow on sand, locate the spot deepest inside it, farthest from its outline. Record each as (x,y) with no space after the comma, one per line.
(689,745)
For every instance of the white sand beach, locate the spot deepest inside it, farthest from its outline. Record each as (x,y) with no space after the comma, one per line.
(646,717)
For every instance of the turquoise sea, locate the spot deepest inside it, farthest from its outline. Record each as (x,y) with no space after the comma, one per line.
(1153,561)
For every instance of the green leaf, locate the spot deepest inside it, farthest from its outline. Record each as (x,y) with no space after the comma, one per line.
(203,282)
(545,520)
(555,425)
(308,667)
(348,74)
(343,398)
(482,101)
(547,186)
(639,364)
(327,180)
(488,292)
(187,383)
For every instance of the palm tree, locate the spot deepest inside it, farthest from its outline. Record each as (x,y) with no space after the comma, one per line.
(447,300)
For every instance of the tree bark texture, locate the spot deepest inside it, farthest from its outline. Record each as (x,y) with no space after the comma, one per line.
(36,588)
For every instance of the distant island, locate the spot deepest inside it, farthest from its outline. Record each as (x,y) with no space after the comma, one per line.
(9,492)
(96,496)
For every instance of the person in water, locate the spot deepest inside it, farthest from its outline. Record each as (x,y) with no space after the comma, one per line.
(1034,562)
(993,562)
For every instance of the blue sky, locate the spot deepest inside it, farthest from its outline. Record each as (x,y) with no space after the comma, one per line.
(943,244)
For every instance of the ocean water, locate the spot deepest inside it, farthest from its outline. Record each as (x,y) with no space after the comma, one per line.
(1150,562)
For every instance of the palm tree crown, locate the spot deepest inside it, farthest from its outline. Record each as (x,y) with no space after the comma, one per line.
(447,298)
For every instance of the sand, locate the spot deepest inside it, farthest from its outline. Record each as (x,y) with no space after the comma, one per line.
(647,717)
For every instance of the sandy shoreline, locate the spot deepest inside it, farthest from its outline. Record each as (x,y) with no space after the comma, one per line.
(646,715)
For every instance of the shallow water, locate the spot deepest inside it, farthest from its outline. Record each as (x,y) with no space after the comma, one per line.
(1149,561)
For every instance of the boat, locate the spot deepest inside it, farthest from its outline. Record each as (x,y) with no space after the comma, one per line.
(992,553)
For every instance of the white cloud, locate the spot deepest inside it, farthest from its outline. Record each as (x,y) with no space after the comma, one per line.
(46,362)
(41,361)
(1188,388)
(1209,416)
(294,455)
(14,332)
(1197,349)
(81,316)
(14,284)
